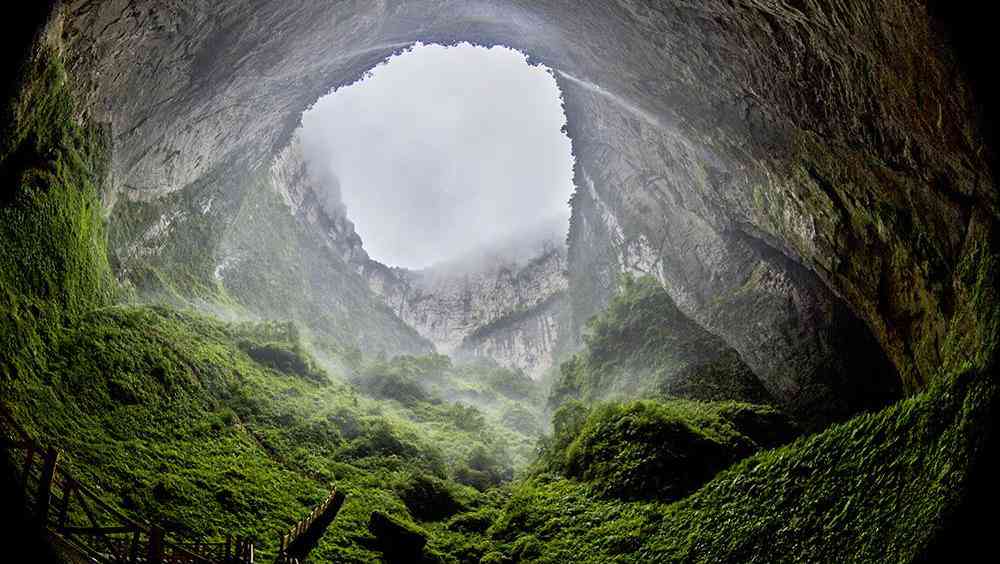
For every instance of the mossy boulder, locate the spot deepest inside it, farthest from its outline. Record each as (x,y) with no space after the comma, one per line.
(427,498)
(397,540)
(665,450)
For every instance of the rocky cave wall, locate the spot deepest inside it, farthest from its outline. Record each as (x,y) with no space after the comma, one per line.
(809,180)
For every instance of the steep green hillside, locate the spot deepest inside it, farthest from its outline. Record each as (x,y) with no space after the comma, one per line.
(208,427)
(53,258)
(879,488)
(642,345)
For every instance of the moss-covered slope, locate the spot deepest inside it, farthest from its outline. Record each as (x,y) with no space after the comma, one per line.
(879,488)
(642,345)
(180,420)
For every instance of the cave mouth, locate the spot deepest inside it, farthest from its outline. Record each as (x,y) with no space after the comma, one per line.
(441,153)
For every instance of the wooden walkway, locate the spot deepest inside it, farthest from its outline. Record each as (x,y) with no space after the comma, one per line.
(82,521)
(298,542)
(78,518)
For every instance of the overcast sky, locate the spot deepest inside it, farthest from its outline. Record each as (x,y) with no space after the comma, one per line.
(443,149)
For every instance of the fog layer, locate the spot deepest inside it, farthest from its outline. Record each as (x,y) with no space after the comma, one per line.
(442,150)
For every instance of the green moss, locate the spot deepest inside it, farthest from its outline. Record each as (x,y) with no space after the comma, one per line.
(53,262)
(878,488)
(648,449)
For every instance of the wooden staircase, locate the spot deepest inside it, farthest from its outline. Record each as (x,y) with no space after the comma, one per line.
(77,518)
(296,544)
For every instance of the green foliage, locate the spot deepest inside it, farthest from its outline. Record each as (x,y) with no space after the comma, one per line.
(392,381)
(648,449)
(878,488)
(170,415)
(567,422)
(473,522)
(642,345)
(53,262)
(398,540)
(427,498)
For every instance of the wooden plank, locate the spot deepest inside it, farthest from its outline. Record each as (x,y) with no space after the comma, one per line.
(86,508)
(108,508)
(154,554)
(45,486)
(133,554)
(64,510)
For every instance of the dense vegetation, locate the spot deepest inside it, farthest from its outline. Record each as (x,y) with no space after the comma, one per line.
(642,345)
(197,424)
(53,259)
(209,437)
(658,450)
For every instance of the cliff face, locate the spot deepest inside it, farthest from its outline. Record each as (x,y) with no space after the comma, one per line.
(809,182)
(289,256)
(496,307)
(505,305)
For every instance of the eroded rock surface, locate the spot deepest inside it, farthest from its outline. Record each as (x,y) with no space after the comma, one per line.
(507,309)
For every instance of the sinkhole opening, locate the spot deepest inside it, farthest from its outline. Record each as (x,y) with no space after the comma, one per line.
(442,153)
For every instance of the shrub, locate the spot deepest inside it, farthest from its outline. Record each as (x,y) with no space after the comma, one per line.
(473,522)
(427,498)
(567,422)
(382,383)
(397,540)
(466,417)
(663,450)
(290,359)
(522,421)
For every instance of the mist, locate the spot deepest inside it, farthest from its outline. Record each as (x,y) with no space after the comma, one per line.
(441,151)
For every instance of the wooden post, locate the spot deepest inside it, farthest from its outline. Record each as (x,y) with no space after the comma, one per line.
(133,556)
(29,461)
(155,553)
(64,510)
(45,486)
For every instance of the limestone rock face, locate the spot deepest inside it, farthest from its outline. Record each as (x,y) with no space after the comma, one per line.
(810,181)
(495,306)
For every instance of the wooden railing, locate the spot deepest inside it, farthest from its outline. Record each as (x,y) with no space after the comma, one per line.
(78,516)
(296,543)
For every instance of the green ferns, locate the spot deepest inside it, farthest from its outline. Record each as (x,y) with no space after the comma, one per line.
(881,487)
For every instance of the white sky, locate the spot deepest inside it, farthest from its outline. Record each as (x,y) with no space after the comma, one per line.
(442,150)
